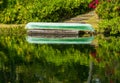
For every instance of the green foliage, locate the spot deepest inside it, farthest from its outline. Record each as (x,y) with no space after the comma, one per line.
(109,53)
(108,9)
(109,12)
(111,26)
(18,11)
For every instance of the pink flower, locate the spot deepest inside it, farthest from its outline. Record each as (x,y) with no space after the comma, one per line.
(93,4)
(97,1)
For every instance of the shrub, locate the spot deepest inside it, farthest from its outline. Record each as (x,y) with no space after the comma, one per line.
(110,26)
(108,9)
(18,11)
(108,12)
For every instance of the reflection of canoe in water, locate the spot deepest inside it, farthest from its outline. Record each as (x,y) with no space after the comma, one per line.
(67,40)
(63,26)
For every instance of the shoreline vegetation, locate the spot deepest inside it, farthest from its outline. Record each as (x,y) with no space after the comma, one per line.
(11,25)
(104,17)
(108,12)
(89,17)
(21,12)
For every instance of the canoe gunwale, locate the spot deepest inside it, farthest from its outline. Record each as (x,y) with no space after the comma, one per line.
(59,26)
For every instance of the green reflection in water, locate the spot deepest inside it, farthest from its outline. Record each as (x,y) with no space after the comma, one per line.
(21,62)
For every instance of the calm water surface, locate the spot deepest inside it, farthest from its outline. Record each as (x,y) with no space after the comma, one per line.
(24,62)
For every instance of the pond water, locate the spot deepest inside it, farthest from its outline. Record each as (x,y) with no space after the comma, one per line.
(22,62)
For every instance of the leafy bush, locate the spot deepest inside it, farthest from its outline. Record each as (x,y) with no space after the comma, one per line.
(108,9)
(109,12)
(110,26)
(18,11)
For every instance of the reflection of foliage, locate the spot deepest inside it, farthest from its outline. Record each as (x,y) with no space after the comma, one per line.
(56,63)
(108,53)
(61,63)
(109,49)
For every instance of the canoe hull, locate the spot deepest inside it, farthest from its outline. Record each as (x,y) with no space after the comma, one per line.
(63,26)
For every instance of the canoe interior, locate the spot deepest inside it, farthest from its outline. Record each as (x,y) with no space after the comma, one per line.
(63,26)
(44,32)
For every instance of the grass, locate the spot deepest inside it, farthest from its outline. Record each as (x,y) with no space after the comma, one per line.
(11,25)
(93,21)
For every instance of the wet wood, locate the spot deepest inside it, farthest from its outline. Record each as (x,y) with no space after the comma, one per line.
(58,33)
(53,31)
(53,35)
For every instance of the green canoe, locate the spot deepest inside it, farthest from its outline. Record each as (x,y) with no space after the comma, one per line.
(80,40)
(63,26)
